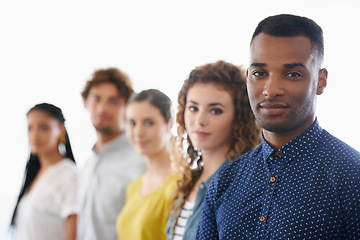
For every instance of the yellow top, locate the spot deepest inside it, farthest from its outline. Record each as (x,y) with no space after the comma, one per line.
(145,217)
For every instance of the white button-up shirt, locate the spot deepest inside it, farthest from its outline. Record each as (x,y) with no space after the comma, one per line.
(102,188)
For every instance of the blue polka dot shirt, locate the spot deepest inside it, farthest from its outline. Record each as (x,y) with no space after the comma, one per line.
(308,189)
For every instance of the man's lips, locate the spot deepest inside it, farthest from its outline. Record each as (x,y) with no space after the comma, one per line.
(102,117)
(273,108)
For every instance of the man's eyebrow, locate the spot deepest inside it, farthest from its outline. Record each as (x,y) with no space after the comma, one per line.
(258,65)
(292,65)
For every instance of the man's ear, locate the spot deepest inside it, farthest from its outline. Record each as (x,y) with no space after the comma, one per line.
(322,81)
(86,102)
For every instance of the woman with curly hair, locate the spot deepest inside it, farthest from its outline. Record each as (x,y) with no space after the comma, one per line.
(215,126)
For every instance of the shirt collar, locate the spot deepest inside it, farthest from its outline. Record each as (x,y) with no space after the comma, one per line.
(112,145)
(298,144)
(208,180)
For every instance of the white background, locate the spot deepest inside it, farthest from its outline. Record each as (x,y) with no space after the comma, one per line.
(48,49)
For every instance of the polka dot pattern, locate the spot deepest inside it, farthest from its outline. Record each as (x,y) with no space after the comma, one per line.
(308,189)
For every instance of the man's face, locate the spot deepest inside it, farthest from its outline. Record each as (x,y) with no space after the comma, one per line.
(106,108)
(283,79)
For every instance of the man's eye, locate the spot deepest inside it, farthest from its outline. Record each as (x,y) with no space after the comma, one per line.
(149,123)
(258,74)
(294,75)
(131,123)
(113,101)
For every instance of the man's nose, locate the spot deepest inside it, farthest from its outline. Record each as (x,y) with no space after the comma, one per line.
(273,87)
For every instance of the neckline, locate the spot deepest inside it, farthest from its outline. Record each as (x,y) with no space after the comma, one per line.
(161,186)
(43,176)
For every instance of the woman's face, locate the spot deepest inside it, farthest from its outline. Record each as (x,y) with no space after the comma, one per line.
(146,128)
(209,117)
(43,132)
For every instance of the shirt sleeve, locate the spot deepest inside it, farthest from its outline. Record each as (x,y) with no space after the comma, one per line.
(349,188)
(69,194)
(207,228)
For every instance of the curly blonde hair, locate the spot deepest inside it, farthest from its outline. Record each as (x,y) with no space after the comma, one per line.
(246,133)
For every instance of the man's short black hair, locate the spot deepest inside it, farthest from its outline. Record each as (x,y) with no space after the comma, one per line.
(286,25)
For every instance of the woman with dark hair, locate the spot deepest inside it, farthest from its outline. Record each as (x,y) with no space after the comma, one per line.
(148,125)
(46,206)
(215,126)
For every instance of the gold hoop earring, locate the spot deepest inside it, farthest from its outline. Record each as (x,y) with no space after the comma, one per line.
(62,139)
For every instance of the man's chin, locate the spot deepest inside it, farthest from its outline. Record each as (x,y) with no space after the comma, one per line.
(275,128)
(272,126)
(104,130)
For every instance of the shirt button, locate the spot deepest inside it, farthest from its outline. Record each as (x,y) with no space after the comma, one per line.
(272,179)
(262,218)
(272,158)
(278,154)
(201,186)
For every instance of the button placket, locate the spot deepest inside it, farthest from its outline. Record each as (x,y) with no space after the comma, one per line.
(277,164)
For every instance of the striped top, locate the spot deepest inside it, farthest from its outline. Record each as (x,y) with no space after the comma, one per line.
(185,213)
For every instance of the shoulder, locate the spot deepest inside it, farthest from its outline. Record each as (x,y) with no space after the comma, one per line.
(170,185)
(336,149)
(67,169)
(119,155)
(227,175)
(136,182)
(134,185)
(126,151)
(338,160)
(230,170)
(62,178)
(69,165)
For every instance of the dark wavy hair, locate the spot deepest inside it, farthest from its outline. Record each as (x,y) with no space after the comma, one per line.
(111,75)
(33,164)
(246,133)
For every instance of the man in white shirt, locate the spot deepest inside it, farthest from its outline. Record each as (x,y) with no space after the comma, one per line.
(114,164)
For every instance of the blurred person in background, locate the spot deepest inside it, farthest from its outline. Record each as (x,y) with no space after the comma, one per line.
(148,126)
(114,163)
(46,206)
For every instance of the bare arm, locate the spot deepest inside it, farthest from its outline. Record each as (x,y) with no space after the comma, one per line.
(70,227)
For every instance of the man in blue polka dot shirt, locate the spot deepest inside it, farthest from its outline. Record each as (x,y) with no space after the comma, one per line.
(301,182)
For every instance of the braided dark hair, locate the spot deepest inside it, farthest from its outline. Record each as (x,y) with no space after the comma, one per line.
(33,164)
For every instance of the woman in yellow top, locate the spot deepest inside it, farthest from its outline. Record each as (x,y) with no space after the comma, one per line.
(148,125)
